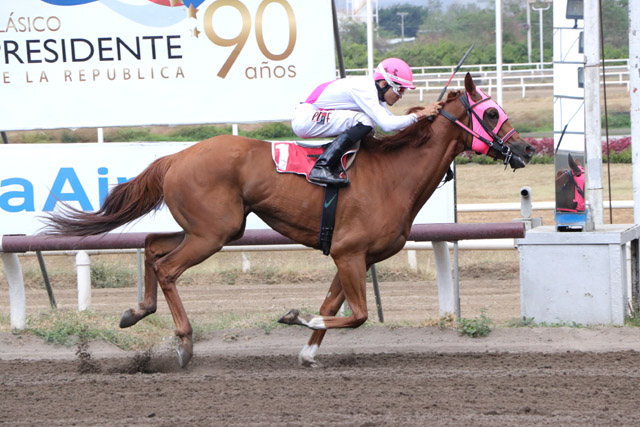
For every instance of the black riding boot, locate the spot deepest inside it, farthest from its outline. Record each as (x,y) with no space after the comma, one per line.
(328,167)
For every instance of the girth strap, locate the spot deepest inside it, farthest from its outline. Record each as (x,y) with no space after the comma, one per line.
(328,221)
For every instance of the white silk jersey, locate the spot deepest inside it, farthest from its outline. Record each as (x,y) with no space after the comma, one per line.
(336,106)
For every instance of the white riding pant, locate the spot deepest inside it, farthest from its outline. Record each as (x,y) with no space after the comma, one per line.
(311,122)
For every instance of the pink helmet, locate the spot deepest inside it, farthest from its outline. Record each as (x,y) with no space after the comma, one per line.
(395,72)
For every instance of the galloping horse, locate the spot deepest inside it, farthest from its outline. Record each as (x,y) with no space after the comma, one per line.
(570,187)
(212,186)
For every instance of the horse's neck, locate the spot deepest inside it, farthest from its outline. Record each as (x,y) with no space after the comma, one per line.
(421,169)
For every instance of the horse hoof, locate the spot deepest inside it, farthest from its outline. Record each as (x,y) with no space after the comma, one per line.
(291,318)
(184,356)
(310,363)
(128,319)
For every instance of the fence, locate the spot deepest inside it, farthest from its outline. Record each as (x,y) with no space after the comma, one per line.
(438,234)
(514,76)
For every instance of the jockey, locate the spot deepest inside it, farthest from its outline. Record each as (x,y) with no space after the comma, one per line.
(349,108)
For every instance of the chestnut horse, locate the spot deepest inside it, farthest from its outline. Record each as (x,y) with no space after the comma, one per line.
(212,186)
(570,187)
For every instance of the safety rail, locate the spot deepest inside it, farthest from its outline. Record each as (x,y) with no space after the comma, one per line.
(521,76)
(438,234)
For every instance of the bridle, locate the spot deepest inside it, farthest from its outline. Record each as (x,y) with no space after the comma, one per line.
(484,138)
(579,196)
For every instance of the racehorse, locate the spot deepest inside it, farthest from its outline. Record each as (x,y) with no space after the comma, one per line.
(212,186)
(570,187)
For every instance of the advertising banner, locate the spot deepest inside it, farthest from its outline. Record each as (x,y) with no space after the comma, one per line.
(36,178)
(100,63)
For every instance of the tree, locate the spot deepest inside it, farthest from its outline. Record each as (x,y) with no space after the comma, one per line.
(391,22)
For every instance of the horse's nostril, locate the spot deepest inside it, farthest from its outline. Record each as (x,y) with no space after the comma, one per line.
(530,150)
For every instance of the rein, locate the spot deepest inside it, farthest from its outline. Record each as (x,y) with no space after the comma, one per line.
(490,139)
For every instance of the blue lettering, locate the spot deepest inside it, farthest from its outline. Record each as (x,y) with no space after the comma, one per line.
(103,184)
(26,195)
(77,194)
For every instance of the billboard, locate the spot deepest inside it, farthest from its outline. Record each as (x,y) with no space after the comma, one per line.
(35,178)
(100,63)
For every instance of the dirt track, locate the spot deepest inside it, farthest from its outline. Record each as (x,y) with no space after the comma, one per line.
(375,375)
(371,376)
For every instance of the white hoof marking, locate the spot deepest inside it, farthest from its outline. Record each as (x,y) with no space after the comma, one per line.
(316,322)
(307,356)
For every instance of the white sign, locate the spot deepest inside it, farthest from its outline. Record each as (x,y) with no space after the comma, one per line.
(34,178)
(98,63)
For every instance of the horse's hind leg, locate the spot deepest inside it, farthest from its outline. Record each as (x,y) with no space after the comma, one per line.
(193,250)
(155,247)
(332,302)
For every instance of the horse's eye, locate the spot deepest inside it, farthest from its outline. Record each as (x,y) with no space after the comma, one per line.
(493,114)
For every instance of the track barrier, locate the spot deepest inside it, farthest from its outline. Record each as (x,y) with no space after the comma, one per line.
(438,234)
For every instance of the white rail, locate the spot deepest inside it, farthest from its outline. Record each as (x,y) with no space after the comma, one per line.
(515,76)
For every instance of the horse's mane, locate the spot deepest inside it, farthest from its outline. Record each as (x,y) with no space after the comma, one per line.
(412,136)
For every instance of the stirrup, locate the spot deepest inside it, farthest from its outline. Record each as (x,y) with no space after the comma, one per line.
(323,175)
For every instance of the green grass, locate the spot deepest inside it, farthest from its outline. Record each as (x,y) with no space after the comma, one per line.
(476,327)
(71,327)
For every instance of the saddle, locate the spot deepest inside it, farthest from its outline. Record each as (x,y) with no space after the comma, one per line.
(299,158)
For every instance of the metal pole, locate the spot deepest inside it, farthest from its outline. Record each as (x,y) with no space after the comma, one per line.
(376,291)
(529,33)
(540,10)
(541,38)
(336,38)
(140,276)
(45,277)
(634,94)
(5,138)
(402,15)
(499,52)
(369,38)
(592,125)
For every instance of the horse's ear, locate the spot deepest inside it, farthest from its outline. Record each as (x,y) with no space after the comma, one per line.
(469,85)
(574,165)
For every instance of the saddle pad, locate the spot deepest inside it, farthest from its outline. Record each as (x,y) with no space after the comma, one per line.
(292,157)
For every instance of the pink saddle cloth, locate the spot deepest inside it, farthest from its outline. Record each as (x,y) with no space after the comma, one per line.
(294,157)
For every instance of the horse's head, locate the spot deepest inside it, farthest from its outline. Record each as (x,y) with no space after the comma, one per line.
(570,187)
(489,128)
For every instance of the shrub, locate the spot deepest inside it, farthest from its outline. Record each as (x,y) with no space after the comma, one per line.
(619,149)
(103,276)
(70,137)
(478,327)
(274,130)
(199,133)
(129,135)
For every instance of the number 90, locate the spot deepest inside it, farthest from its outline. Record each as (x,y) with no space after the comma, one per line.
(241,39)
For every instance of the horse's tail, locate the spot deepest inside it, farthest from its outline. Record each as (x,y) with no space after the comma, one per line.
(124,203)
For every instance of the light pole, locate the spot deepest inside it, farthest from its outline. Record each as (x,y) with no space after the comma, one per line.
(528,32)
(540,10)
(402,15)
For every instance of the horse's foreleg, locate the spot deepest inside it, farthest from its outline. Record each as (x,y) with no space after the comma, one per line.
(156,246)
(330,306)
(352,274)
